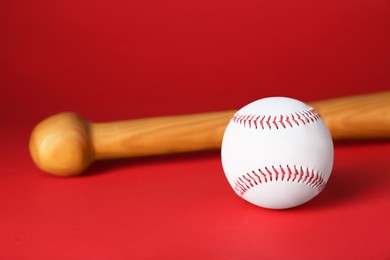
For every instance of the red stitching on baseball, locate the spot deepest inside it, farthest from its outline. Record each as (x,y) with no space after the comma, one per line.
(295,172)
(288,121)
(276,173)
(247,180)
(268,123)
(283,172)
(257,176)
(269,173)
(308,116)
(311,178)
(300,174)
(261,122)
(295,121)
(276,121)
(300,119)
(281,121)
(263,174)
(255,121)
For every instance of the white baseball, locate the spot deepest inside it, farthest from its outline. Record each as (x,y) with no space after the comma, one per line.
(277,153)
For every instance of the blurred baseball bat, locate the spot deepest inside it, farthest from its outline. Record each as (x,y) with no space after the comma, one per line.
(65,144)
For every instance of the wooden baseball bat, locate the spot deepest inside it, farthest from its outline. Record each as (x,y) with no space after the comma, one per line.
(65,144)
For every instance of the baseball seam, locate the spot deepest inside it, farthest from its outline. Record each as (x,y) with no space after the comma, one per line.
(287,173)
(276,121)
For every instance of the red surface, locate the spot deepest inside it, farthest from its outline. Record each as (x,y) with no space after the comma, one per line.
(112,60)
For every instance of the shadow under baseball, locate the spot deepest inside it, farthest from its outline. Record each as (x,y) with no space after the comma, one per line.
(346,185)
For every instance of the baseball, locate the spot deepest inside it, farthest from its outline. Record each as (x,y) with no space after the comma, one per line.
(277,153)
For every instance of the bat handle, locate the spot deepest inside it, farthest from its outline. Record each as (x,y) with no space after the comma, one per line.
(65,144)
(160,135)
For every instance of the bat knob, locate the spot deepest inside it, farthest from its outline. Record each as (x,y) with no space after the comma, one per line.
(61,144)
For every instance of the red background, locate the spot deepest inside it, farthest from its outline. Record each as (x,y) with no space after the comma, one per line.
(114,60)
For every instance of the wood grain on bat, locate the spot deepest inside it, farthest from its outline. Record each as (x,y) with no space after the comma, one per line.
(65,144)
